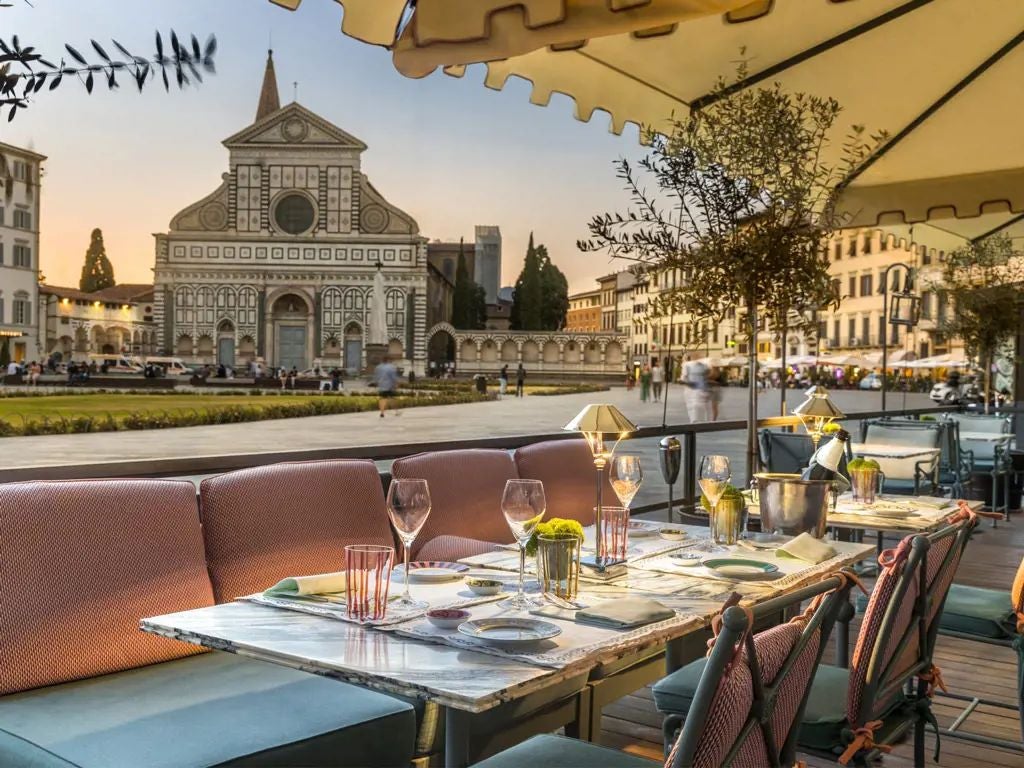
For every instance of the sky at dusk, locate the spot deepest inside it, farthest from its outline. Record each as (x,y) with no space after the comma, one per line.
(449,151)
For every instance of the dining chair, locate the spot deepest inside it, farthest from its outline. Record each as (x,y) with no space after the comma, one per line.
(907,475)
(264,524)
(466,487)
(859,712)
(566,467)
(989,457)
(993,617)
(748,695)
(955,462)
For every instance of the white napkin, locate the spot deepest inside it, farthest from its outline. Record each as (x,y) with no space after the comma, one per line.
(320,584)
(807,548)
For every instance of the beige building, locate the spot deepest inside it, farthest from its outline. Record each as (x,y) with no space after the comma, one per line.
(20,179)
(119,319)
(584,312)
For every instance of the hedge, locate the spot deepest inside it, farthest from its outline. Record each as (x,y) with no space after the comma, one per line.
(231,414)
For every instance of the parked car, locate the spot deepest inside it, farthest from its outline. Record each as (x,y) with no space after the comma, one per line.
(871,381)
(957,390)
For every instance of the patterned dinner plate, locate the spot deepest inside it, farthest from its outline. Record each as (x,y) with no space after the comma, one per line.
(740,568)
(642,528)
(432,570)
(509,632)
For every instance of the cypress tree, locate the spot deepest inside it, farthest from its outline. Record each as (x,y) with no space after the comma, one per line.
(526,304)
(554,290)
(469,300)
(97,272)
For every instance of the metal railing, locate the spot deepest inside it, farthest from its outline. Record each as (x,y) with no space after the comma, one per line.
(206,465)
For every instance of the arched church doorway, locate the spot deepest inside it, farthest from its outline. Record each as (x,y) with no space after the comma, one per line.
(226,343)
(290,317)
(353,349)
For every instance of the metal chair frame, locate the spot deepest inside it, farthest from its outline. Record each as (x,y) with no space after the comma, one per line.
(883,682)
(735,628)
(924,470)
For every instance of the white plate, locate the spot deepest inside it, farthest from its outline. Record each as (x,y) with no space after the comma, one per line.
(642,528)
(426,575)
(509,632)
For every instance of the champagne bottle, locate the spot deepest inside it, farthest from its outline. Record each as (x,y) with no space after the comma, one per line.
(825,463)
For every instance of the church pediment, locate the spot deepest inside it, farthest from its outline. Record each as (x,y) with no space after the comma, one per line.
(379,217)
(208,215)
(294,125)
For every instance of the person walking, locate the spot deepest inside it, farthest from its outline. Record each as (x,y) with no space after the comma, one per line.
(695,378)
(520,380)
(645,383)
(714,392)
(385,376)
(657,380)
(503,381)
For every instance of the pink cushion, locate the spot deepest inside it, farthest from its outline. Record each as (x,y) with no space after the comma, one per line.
(453,548)
(465,493)
(566,467)
(81,562)
(293,519)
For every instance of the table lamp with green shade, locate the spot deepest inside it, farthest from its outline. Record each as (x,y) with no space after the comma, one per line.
(602,426)
(816,412)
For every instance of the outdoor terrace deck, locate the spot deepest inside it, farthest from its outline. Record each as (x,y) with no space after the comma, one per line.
(634,725)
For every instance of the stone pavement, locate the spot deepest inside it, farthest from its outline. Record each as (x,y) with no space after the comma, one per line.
(507,417)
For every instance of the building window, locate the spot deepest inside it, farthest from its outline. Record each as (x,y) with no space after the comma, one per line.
(926,305)
(22,256)
(22,219)
(865,328)
(20,170)
(852,287)
(1,254)
(835,333)
(22,309)
(851,328)
(926,257)
(851,250)
(883,242)
(294,214)
(838,251)
(867,244)
(865,285)
(2,311)
(881,328)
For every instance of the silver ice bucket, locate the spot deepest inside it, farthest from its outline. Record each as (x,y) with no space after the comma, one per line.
(791,506)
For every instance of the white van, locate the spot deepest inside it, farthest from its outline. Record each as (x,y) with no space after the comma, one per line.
(115,363)
(173,366)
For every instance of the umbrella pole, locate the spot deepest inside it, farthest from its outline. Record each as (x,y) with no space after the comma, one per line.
(752,391)
(783,371)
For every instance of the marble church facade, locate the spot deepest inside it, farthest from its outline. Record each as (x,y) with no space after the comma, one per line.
(277,263)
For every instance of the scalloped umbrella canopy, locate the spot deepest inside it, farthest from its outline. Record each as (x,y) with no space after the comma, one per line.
(943,77)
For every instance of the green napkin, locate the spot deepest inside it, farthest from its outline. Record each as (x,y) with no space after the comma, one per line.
(807,548)
(625,614)
(320,584)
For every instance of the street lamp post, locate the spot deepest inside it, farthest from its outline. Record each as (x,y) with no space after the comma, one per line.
(905,310)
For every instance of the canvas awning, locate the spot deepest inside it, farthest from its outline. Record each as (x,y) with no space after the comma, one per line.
(941,76)
(940,361)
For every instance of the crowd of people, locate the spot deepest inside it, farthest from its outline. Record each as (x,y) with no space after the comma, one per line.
(703,386)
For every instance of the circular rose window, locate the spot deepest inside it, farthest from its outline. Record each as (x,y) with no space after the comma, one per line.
(294,214)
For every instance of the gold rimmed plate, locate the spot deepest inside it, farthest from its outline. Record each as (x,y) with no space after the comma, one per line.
(509,632)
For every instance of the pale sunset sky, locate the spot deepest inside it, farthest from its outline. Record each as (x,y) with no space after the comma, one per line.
(449,151)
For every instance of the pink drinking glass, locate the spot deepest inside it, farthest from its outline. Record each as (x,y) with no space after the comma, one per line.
(614,533)
(367,577)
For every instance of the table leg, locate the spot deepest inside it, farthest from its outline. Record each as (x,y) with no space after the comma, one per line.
(456,738)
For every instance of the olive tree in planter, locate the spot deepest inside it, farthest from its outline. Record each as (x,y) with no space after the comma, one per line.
(983,280)
(742,204)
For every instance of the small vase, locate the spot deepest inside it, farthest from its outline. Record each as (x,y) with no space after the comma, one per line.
(558,566)
(727,520)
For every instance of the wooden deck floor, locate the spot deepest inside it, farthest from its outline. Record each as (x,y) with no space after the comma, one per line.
(634,725)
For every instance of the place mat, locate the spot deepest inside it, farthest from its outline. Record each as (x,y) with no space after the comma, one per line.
(452,594)
(790,573)
(578,643)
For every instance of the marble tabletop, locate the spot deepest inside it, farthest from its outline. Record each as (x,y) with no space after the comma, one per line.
(455,677)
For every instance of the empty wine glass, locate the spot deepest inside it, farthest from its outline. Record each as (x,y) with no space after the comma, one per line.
(523,505)
(408,507)
(715,474)
(626,477)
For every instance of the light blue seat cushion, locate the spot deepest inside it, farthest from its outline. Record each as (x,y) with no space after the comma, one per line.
(673,694)
(216,709)
(825,712)
(559,752)
(978,611)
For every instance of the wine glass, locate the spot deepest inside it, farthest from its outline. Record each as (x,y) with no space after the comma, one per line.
(715,474)
(408,507)
(626,477)
(523,505)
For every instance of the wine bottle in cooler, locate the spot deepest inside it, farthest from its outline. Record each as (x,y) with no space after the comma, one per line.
(825,463)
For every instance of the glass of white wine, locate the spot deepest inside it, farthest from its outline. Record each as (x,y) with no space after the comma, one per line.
(626,477)
(715,474)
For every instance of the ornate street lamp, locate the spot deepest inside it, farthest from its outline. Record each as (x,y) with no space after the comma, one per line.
(905,310)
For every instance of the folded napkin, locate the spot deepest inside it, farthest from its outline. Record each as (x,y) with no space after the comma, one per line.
(930,502)
(625,614)
(807,548)
(321,584)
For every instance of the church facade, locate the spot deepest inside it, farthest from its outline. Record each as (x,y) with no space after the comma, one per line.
(277,264)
